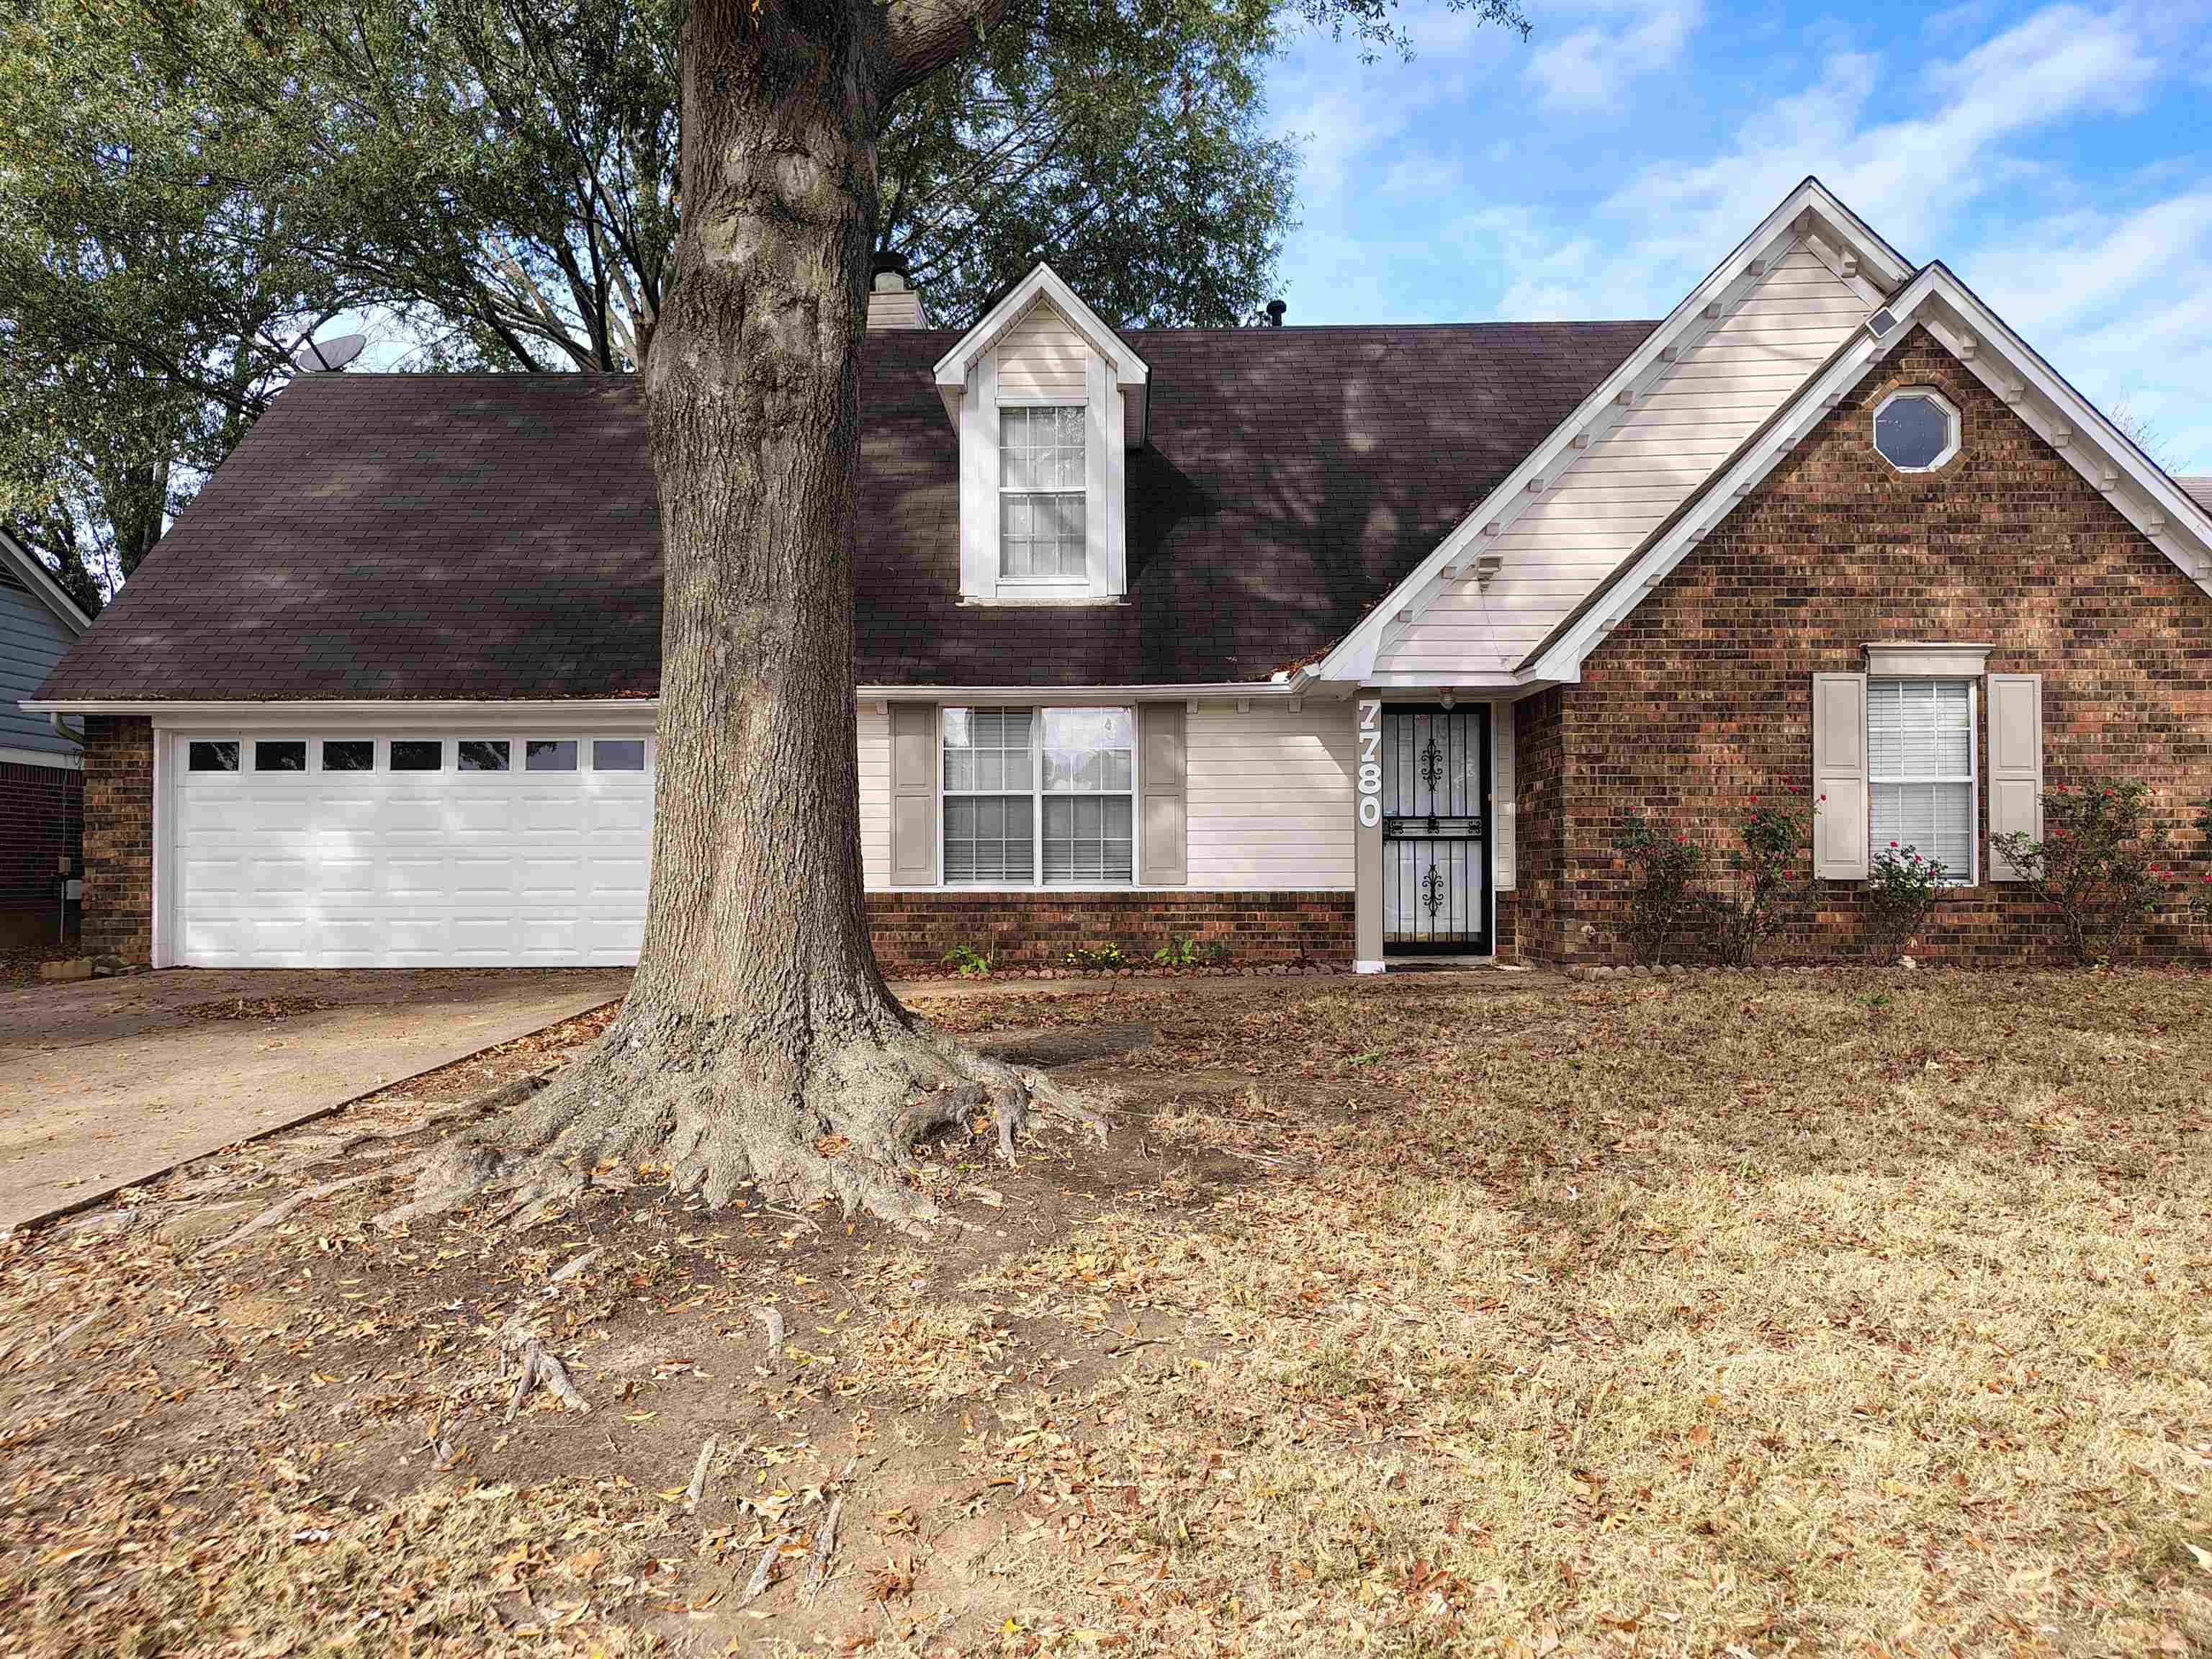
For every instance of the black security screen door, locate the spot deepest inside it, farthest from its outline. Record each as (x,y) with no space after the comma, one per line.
(1435,830)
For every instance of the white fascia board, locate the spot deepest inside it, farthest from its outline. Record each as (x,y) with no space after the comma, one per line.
(1289,690)
(1809,209)
(56,759)
(2166,515)
(1042,284)
(36,577)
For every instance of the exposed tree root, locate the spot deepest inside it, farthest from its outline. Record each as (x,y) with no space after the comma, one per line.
(839,1121)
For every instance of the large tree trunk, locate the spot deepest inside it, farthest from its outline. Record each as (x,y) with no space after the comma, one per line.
(759,1043)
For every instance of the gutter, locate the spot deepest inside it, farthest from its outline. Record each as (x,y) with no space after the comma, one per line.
(1291,685)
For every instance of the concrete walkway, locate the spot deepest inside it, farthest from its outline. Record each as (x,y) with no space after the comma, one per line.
(107,1082)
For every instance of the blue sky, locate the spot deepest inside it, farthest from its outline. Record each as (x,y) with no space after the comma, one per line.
(2059,159)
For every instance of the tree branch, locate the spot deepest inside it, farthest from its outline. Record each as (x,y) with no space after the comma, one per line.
(926,35)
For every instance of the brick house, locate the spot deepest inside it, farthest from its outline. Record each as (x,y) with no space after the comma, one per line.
(41,770)
(1336,644)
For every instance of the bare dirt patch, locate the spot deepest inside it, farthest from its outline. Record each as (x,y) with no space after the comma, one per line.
(1819,1314)
(255,1008)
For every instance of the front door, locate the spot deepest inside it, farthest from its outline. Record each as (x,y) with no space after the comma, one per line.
(1435,830)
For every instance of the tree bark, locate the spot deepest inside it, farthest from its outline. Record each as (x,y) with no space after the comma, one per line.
(759,1041)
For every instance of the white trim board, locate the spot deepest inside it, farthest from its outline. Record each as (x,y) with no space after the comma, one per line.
(35,576)
(52,757)
(1811,216)
(2173,522)
(1132,374)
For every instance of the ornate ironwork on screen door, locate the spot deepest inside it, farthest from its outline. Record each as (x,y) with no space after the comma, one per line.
(1436,851)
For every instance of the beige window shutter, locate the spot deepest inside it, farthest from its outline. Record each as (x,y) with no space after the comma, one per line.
(1164,766)
(1839,775)
(913,795)
(2015,763)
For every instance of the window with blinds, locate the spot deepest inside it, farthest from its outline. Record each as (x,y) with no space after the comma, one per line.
(1090,770)
(1029,790)
(1920,770)
(1041,503)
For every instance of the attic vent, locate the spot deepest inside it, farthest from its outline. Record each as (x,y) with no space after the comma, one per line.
(1881,323)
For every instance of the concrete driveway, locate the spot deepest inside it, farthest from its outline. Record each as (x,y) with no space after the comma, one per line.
(106,1082)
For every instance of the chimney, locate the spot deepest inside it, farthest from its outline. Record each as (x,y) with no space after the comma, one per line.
(891,303)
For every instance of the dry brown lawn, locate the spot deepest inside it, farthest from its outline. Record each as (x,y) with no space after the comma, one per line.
(1804,1314)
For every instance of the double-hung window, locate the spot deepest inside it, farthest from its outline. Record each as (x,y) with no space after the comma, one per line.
(1920,770)
(1039,789)
(1043,513)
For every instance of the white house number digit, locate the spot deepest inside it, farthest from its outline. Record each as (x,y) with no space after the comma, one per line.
(1371,763)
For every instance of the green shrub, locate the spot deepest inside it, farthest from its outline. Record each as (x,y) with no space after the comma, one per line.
(1105,955)
(1902,891)
(1768,875)
(2095,865)
(1662,866)
(1190,951)
(970,963)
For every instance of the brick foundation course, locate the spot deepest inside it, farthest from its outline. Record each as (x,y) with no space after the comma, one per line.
(118,837)
(912,931)
(1700,703)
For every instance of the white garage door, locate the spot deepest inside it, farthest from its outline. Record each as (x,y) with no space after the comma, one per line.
(401,849)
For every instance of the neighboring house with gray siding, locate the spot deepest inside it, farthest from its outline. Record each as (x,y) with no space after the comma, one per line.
(41,771)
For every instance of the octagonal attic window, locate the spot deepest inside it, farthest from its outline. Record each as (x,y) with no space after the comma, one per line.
(1915,430)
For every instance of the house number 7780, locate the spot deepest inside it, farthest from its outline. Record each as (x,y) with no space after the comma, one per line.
(1371,763)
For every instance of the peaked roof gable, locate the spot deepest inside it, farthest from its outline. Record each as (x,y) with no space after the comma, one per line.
(1042,286)
(35,576)
(1810,213)
(2174,521)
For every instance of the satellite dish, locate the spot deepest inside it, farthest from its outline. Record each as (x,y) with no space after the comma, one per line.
(314,357)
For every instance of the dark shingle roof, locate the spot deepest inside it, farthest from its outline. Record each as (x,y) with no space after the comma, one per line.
(496,536)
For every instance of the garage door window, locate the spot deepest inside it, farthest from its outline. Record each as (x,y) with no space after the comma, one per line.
(482,754)
(348,755)
(284,755)
(550,755)
(618,754)
(417,754)
(221,756)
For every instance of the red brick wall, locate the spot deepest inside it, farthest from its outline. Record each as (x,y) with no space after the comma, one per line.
(41,819)
(1701,701)
(1539,761)
(912,931)
(118,837)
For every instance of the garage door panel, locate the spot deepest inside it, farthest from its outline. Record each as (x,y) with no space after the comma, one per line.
(410,869)
(624,815)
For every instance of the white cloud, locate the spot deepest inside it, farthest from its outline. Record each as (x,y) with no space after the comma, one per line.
(1590,69)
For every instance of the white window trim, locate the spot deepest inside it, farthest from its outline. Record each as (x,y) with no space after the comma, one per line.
(1973,779)
(1038,794)
(1105,483)
(1950,413)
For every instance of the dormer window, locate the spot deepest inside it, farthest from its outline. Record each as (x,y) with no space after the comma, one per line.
(1048,401)
(1041,463)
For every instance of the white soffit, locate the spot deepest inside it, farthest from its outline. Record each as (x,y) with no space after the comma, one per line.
(2167,516)
(1043,285)
(1810,217)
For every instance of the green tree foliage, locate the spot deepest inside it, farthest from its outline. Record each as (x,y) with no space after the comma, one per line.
(506,169)
(151,282)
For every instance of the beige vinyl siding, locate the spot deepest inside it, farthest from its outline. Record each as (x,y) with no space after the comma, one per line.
(875,735)
(1504,812)
(1042,360)
(1270,797)
(1616,492)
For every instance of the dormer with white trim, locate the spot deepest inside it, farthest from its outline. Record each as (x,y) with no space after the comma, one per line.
(1048,401)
